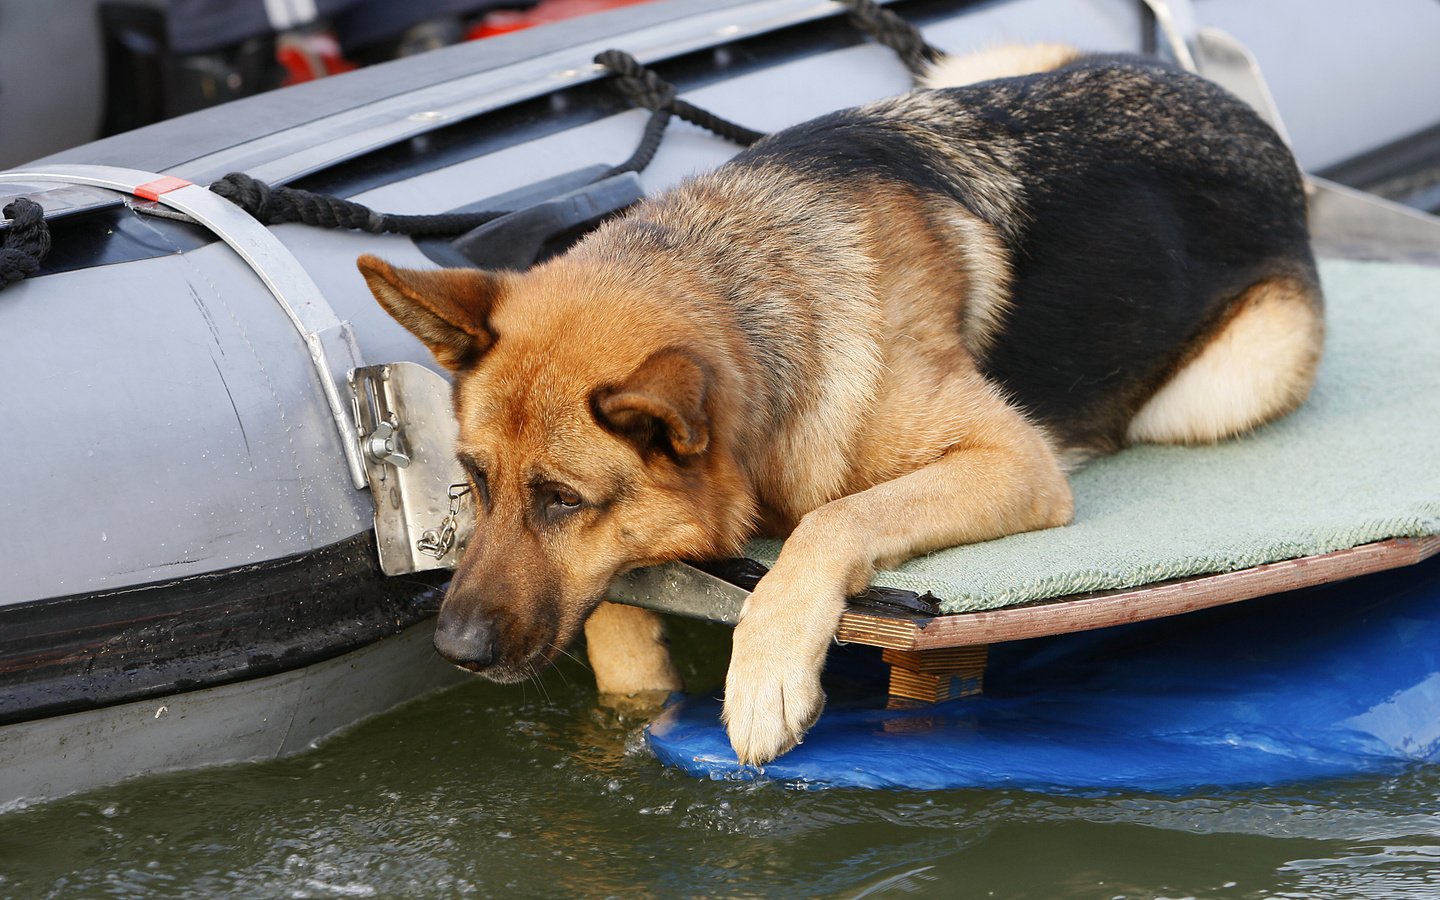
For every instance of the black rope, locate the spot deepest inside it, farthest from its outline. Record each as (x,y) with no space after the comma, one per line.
(645,88)
(894,32)
(26,242)
(649,144)
(276,205)
(28,239)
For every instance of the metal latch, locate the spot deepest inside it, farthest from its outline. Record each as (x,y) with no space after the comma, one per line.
(423,516)
(383,445)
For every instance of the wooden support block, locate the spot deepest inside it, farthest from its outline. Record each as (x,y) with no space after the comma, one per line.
(932,676)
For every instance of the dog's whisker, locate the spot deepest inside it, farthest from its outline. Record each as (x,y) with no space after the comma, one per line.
(539,683)
(559,649)
(561,672)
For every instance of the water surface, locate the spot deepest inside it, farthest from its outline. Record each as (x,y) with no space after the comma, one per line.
(530,790)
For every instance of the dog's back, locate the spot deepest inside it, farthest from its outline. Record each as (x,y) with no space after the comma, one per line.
(1133,204)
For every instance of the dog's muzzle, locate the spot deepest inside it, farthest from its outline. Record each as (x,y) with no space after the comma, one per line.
(467,641)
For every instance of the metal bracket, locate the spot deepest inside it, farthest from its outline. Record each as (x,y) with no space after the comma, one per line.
(329,341)
(1342,220)
(1176,20)
(1230,64)
(1355,224)
(422,519)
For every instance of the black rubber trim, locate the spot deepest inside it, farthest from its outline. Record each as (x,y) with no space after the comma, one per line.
(1406,171)
(102,649)
(538,231)
(745,573)
(117,235)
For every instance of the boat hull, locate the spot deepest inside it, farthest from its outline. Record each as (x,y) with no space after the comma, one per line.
(257,719)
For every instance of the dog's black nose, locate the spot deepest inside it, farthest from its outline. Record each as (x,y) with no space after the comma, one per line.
(467,641)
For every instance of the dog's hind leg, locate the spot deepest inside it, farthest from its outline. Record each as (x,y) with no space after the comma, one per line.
(629,655)
(1258,365)
(997,476)
(1004,61)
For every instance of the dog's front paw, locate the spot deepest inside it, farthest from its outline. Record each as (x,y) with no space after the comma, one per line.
(772,691)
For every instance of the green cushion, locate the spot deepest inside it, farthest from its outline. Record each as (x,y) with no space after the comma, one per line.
(1359,462)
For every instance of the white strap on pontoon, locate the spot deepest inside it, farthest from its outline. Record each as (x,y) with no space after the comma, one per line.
(330,341)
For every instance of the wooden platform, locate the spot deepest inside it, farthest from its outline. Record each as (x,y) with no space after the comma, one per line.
(1100,610)
(941,657)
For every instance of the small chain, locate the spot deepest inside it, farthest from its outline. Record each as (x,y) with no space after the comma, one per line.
(437,542)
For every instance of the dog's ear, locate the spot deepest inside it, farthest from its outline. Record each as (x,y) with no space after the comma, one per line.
(447,309)
(661,405)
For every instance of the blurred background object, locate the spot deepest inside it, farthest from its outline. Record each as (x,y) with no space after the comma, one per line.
(51,77)
(72,71)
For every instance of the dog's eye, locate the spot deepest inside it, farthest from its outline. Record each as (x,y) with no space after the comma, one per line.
(480,480)
(561,502)
(565,499)
(556,501)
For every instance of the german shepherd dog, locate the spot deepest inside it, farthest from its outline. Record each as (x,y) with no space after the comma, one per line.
(885,331)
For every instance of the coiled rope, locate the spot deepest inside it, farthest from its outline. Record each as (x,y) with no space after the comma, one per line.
(26,241)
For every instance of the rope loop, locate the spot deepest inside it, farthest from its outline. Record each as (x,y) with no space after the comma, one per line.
(26,242)
(648,90)
(894,32)
(639,85)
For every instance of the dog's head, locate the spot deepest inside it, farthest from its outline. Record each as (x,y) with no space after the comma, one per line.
(588,428)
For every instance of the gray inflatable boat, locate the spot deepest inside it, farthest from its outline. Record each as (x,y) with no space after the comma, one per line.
(228,519)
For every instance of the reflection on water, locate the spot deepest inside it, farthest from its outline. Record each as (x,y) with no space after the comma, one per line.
(529,789)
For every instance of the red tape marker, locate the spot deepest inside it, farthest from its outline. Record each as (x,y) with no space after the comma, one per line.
(151,190)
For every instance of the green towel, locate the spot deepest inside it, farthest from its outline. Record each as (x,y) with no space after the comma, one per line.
(1359,462)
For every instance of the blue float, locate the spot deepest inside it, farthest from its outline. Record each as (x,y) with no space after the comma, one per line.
(1333,681)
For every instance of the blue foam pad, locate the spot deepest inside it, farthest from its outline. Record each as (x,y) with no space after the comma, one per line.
(1332,681)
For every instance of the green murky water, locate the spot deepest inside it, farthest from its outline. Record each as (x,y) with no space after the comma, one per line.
(528,790)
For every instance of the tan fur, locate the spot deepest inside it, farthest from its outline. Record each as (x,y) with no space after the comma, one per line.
(997,476)
(988,269)
(1258,366)
(629,655)
(906,447)
(997,62)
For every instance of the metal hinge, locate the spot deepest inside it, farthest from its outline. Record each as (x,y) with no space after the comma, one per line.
(423,516)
